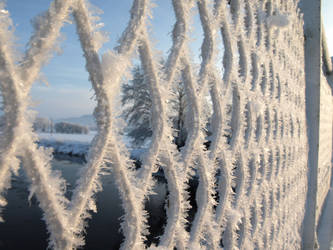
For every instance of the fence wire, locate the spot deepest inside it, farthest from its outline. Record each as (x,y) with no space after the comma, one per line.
(252,178)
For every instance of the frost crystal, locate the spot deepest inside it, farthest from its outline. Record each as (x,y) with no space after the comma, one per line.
(252,171)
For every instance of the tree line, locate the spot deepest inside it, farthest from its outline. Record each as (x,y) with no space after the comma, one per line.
(46,125)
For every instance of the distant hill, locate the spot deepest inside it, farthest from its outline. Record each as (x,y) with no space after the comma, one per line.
(84,120)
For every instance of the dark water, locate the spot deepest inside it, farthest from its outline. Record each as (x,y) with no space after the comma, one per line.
(24,227)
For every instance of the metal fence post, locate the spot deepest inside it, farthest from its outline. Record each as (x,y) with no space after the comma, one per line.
(313,55)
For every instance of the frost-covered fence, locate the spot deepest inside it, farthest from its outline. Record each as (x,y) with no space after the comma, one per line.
(252,178)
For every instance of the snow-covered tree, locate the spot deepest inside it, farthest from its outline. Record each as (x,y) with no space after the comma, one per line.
(137,103)
(137,107)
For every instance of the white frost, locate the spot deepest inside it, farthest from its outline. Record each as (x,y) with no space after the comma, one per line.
(256,161)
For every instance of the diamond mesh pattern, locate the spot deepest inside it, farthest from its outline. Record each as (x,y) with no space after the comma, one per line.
(256,163)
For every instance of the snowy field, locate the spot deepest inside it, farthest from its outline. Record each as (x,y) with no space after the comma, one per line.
(72,144)
(78,144)
(80,138)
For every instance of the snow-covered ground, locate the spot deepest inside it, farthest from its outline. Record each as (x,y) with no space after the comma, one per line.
(78,144)
(73,144)
(84,138)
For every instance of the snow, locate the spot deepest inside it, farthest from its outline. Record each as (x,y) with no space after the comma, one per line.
(73,144)
(75,138)
(79,144)
(5,12)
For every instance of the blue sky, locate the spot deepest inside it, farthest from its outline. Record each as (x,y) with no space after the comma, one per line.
(69,92)
(327,12)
